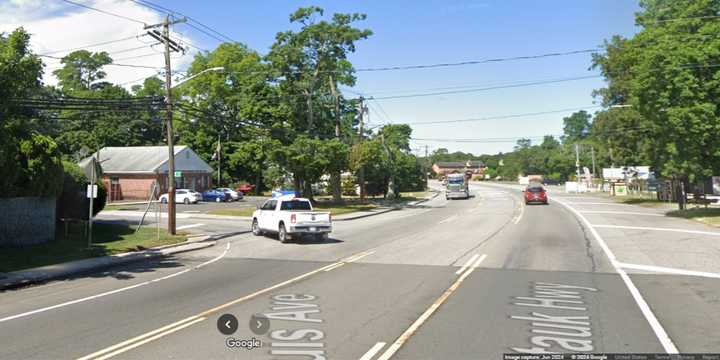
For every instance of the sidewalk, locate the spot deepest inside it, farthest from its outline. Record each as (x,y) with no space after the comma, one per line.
(26,277)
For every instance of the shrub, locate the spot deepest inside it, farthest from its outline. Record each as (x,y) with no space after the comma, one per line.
(73,202)
(349,186)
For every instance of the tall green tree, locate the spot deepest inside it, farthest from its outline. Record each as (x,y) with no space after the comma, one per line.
(313,62)
(665,73)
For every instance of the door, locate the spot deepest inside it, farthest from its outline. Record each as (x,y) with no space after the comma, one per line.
(267,212)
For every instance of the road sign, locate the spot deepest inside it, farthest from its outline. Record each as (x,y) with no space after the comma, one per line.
(178,174)
(91,189)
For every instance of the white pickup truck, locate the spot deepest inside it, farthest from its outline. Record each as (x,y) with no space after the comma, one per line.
(291,217)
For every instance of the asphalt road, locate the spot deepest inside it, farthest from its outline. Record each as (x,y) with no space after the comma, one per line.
(462,279)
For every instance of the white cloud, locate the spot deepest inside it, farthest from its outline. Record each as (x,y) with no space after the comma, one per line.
(54,26)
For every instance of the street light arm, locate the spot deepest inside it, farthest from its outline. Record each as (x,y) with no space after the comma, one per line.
(219,68)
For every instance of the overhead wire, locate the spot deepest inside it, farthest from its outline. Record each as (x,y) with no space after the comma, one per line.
(501,117)
(105,12)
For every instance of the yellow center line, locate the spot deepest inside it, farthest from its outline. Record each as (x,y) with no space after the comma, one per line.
(169,329)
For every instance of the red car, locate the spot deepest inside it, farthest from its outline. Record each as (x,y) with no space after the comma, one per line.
(245,188)
(535,194)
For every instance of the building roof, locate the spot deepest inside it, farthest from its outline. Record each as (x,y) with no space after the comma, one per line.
(460,164)
(146,159)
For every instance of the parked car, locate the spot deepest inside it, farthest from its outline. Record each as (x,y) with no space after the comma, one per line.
(215,195)
(535,193)
(291,217)
(185,196)
(234,195)
(245,188)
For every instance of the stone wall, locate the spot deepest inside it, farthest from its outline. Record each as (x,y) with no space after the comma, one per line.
(26,221)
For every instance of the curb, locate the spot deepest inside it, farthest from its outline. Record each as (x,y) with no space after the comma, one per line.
(22,278)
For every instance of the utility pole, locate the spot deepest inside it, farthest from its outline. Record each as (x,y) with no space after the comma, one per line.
(427,167)
(91,192)
(165,37)
(577,162)
(361,172)
(592,152)
(219,155)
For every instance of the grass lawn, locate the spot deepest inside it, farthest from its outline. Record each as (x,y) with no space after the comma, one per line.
(243,211)
(710,216)
(120,207)
(336,209)
(108,239)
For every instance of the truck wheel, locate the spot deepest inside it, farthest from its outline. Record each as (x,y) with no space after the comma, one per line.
(282,234)
(256,228)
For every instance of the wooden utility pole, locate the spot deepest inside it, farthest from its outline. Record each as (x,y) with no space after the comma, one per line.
(165,38)
(361,172)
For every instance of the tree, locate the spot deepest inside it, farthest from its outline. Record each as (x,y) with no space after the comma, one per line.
(576,127)
(81,69)
(315,58)
(662,73)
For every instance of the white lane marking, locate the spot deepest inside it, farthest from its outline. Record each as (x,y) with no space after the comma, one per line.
(658,229)
(405,336)
(480,260)
(619,213)
(192,211)
(522,211)
(138,338)
(658,329)
(111,292)
(668,270)
(373,350)
(134,345)
(227,248)
(448,219)
(468,263)
(596,203)
(188,226)
(334,267)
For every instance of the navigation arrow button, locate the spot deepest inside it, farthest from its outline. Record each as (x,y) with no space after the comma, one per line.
(227,324)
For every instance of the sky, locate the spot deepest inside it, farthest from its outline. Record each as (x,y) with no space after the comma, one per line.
(417,32)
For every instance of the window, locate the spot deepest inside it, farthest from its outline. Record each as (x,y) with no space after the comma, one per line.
(270,205)
(295,205)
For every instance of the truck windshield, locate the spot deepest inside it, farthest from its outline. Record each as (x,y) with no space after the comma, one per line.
(455,181)
(295,205)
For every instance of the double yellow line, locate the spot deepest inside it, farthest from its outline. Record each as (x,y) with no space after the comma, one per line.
(145,338)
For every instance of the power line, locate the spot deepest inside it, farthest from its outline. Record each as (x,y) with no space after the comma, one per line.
(707,17)
(160,8)
(504,116)
(476,62)
(111,64)
(94,45)
(486,88)
(104,12)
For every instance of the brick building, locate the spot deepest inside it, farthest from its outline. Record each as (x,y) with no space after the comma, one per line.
(129,172)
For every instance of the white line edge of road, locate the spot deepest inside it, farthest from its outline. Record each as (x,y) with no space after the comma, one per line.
(464,267)
(373,350)
(395,346)
(620,213)
(658,229)
(111,292)
(522,211)
(188,226)
(667,270)
(652,320)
